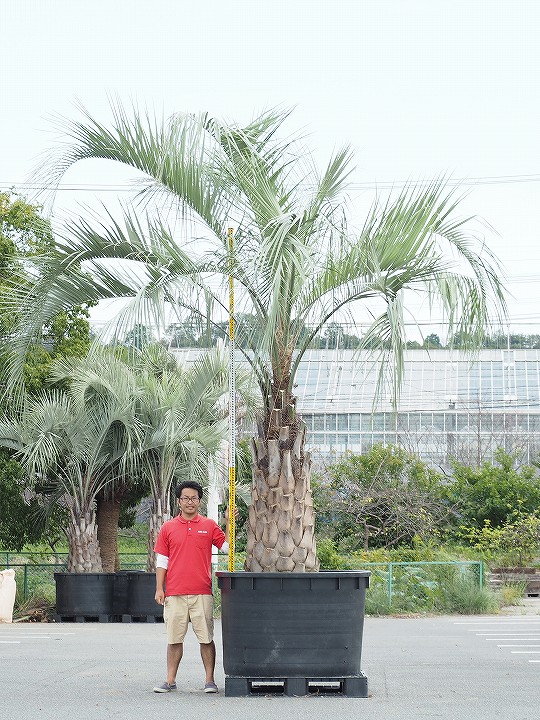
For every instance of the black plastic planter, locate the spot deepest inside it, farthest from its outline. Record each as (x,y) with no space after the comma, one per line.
(121,592)
(141,595)
(306,626)
(82,596)
(107,597)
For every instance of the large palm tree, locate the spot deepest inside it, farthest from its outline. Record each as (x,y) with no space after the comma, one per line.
(296,261)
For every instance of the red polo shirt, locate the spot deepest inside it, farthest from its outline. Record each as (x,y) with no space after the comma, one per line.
(188,545)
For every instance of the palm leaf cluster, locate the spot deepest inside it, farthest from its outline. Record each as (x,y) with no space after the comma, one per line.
(299,260)
(125,415)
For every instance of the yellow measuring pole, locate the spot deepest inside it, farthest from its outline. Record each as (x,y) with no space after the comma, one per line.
(232,410)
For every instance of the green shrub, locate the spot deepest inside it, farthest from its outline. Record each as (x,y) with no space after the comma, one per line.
(511,593)
(493,492)
(429,588)
(329,557)
(459,592)
(377,600)
(514,543)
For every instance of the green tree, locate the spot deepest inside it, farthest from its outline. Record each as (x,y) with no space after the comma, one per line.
(23,509)
(502,341)
(25,235)
(385,498)
(295,261)
(432,341)
(181,335)
(18,525)
(334,337)
(493,492)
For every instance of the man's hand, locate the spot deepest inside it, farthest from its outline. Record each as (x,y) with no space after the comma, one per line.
(160,597)
(236,513)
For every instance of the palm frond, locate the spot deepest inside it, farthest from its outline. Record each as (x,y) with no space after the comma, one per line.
(295,260)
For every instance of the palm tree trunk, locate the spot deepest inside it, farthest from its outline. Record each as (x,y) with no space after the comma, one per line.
(281,520)
(159,514)
(84,555)
(107,515)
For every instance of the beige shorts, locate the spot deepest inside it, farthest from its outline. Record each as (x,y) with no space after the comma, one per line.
(180,610)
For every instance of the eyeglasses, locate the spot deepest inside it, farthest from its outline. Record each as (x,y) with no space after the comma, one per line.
(194,499)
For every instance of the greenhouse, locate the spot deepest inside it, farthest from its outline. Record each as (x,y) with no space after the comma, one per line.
(450,406)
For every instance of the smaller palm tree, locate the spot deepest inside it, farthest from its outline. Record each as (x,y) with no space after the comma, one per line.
(179,415)
(179,412)
(99,377)
(77,451)
(183,413)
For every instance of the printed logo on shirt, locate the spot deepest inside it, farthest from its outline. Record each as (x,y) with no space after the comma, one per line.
(202,532)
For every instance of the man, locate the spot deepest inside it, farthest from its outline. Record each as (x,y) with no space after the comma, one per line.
(184,554)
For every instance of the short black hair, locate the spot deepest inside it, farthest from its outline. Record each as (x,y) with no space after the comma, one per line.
(192,484)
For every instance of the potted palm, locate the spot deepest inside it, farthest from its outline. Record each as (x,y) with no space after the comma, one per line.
(179,425)
(298,263)
(183,426)
(76,451)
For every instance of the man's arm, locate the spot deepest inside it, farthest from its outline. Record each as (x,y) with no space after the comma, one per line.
(161,573)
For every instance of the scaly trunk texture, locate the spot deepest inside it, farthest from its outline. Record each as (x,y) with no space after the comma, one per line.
(281,519)
(84,555)
(159,514)
(107,516)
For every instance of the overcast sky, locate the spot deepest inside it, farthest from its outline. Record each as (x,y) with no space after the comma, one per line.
(419,88)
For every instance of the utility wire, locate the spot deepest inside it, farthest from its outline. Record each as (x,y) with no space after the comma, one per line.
(370,185)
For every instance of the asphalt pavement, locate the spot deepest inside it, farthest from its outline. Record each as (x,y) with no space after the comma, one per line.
(450,667)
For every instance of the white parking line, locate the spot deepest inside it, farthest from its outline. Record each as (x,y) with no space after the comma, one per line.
(504,623)
(28,634)
(507,632)
(504,632)
(496,618)
(523,639)
(35,631)
(516,639)
(500,621)
(17,637)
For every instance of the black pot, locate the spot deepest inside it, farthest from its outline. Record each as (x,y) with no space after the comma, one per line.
(84,594)
(307,625)
(141,595)
(121,592)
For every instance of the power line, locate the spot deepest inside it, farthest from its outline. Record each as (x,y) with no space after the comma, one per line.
(82,187)
(451,182)
(368,185)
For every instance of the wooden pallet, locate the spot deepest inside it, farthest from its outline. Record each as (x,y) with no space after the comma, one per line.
(108,618)
(348,686)
(141,618)
(83,618)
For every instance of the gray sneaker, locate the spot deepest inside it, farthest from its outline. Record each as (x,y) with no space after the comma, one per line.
(165,687)
(211,688)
